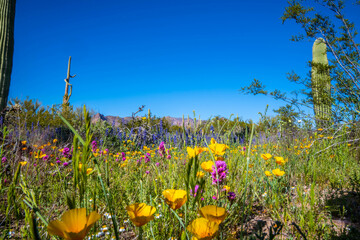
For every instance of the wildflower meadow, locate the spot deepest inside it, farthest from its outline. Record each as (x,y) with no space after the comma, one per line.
(212,180)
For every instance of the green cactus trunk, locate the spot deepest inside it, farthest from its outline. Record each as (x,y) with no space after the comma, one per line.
(321,84)
(7,20)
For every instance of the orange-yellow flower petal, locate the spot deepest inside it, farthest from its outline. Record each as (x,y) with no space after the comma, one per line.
(266,156)
(192,152)
(89,170)
(200,174)
(140,213)
(175,198)
(278,172)
(207,166)
(74,224)
(57,228)
(280,160)
(213,213)
(203,229)
(218,149)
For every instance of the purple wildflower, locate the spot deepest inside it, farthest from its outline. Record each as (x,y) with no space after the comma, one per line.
(66,153)
(231,196)
(162,149)
(93,145)
(147,157)
(65,164)
(221,170)
(195,191)
(3,159)
(157,164)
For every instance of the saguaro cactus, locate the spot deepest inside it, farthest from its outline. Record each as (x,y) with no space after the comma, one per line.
(68,86)
(7,19)
(321,83)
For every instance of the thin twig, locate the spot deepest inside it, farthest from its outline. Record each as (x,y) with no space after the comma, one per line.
(299,230)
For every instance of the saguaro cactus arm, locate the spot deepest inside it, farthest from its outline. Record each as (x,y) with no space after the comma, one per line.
(7,20)
(68,86)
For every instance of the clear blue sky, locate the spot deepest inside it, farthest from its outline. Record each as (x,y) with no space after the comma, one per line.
(172,56)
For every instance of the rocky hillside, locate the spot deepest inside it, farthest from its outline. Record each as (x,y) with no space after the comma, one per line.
(117,120)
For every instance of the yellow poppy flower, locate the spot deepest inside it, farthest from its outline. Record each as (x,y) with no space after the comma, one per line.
(140,213)
(213,213)
(194,152)
(203,229)
(268,173)
(89,170)
(226,188)
(74,224)
(217,148)
(280,160)
(41,155)
(23,142)
(207,166)
(175,198)
(278,172)
(266,156)
(200,174)
(23,163)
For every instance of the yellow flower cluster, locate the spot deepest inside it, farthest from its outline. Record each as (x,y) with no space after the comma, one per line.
(207,227)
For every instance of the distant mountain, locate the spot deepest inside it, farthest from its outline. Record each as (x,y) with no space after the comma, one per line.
(117,120)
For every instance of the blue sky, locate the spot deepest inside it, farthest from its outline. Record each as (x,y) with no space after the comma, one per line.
(172,56)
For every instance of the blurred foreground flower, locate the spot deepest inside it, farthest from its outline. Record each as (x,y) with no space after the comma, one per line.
(213,213)
(175,198)
(74,224)
(140,213)
(203,229)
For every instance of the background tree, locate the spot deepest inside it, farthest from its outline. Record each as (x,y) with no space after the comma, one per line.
(7,20)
